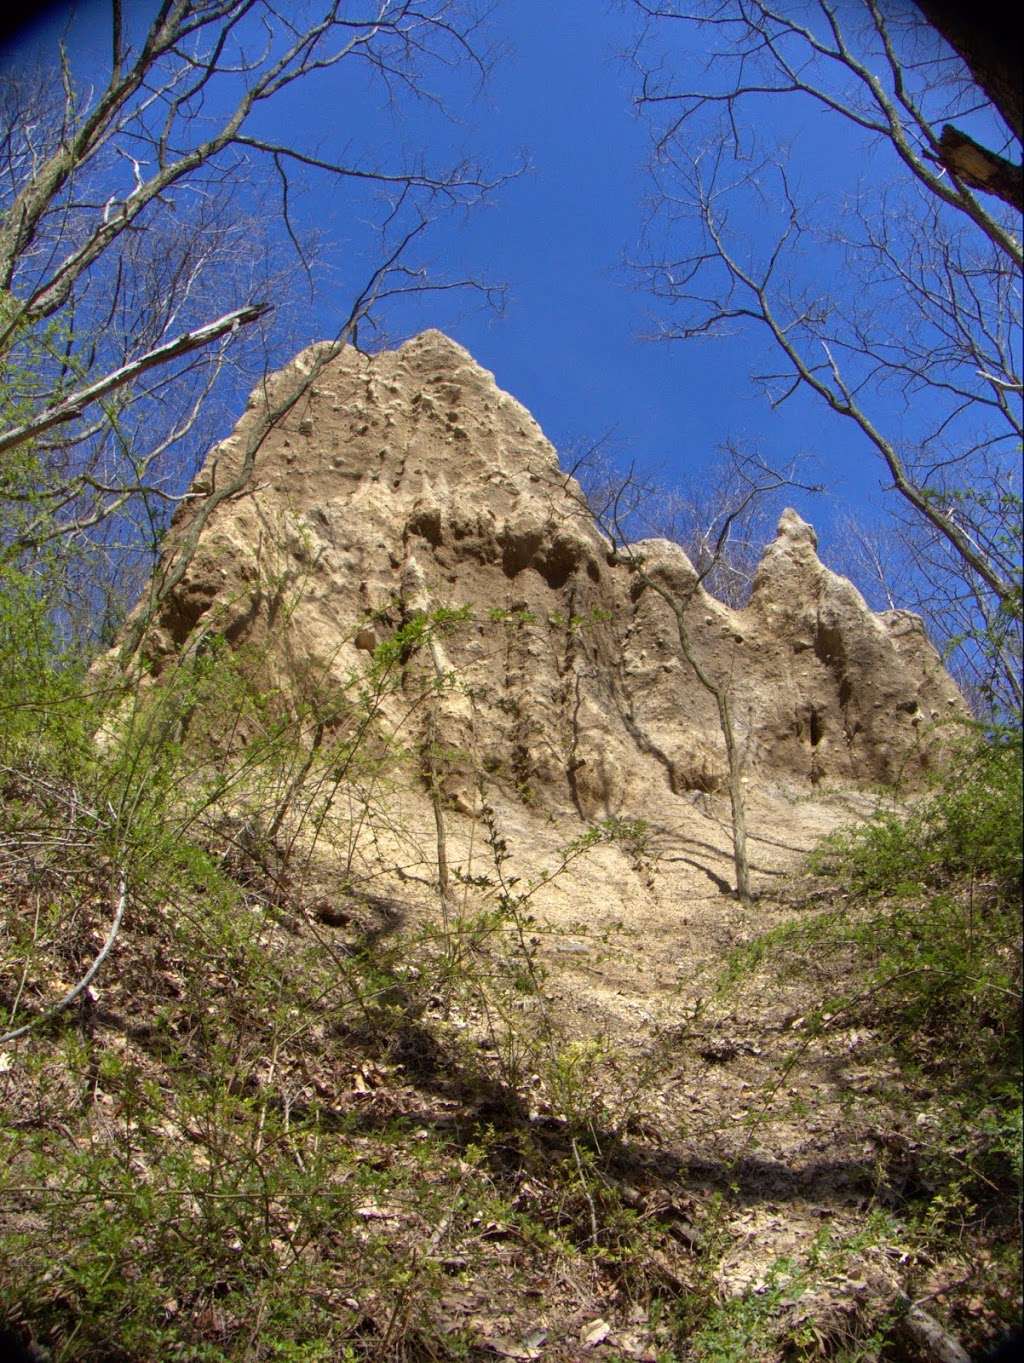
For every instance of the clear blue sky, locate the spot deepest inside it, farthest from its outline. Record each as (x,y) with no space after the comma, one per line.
(569,344)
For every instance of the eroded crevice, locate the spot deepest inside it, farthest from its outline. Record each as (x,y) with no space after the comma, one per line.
(518,550)
(425,522)
(647,745)
(575,762)
(829,647)
(816,726)
(572,698)
(185,608)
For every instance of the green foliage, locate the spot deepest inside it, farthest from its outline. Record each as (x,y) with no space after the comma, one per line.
(969,827)
(934,920)
(924,947)
(776,1315)
(196,1181)
(579,624)
(499,616)
(181,1192)
(990,648)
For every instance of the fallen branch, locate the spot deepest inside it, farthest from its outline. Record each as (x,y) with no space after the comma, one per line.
(934,1338)
(87,978)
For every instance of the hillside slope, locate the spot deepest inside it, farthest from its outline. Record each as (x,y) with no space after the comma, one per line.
(404,823)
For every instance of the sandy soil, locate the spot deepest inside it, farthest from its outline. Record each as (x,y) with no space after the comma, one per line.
(716,1091)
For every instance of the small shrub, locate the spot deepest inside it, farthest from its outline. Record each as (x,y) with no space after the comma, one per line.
(938,889)
(970,827)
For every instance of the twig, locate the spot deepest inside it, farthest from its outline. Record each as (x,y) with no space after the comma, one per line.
(89,975)
(586,1193)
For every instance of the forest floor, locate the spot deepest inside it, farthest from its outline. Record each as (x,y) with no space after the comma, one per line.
(578,1116)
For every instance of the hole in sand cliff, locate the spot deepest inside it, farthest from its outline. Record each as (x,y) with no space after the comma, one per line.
(518,550)
(560,561)
(817,728)
(426,522)
(185,608)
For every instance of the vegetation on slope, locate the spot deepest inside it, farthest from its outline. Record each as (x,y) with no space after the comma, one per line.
(258,1133)
(920,942)
(296,1117)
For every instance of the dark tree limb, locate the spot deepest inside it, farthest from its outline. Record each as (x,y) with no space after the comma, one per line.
(987,38)
(978,168)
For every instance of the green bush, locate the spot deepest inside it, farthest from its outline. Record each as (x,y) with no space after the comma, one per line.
(970,827)
(933,912)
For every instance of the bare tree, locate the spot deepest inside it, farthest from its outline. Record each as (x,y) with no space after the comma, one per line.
(723,517)
(895,303)
(692,509)
(134,233)
(625,506)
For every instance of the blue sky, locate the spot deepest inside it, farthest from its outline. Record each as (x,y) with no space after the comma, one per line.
(569,341)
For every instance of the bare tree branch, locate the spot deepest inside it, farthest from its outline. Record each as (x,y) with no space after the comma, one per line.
(73,406)
(907,287)
(124,227)
(83,984)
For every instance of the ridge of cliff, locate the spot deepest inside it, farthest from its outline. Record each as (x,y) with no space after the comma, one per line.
(408,480)
(428,918)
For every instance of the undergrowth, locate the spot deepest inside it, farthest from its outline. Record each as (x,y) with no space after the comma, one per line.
(315,1105)
(932,919)
(298,1114)
(919,941)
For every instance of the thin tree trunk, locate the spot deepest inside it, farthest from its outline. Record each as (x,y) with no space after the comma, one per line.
(737,798)
(734,757)
(441,830)
(443,882)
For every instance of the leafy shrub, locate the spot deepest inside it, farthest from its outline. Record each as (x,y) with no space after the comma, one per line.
(969,827)
(921,942)
(934,913)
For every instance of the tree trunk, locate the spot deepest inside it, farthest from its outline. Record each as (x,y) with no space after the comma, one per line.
(988,39)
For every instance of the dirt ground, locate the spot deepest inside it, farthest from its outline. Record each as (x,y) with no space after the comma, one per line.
(718,1091)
